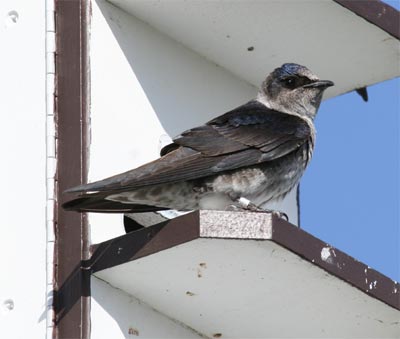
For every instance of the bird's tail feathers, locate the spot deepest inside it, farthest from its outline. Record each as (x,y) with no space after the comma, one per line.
(101,205)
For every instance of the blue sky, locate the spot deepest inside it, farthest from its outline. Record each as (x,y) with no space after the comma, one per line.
(349,195)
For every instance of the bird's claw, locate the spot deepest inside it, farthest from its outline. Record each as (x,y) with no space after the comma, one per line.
(247,205)
(279,214)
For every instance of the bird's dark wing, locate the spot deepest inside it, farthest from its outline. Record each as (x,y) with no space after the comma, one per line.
(168,148)
(252,125)
(181,164)
(245,136)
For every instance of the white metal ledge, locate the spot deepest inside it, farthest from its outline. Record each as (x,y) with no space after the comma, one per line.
(249,275)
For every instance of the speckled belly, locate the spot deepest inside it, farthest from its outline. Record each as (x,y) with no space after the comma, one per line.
(265,182)
(260,183)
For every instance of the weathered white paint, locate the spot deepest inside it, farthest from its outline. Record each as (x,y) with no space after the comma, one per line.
(145,85)
(325,253)
(252,289)
(23,169)
(116,314)
(326,37)
(50,163)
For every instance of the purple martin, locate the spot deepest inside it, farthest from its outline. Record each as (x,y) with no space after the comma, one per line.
(256,152)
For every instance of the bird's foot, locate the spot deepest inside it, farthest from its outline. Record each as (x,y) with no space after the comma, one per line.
(247,205)
(279,214)
(234,208)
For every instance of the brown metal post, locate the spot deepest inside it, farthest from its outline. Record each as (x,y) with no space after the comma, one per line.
(71,281)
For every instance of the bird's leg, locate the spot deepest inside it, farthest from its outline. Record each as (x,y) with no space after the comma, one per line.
(249,206)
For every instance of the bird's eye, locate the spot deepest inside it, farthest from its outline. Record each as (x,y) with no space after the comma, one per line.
(290,82)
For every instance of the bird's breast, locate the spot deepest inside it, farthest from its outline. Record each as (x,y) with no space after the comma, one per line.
(264,182)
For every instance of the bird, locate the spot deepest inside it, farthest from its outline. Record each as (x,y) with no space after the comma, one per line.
(253,154)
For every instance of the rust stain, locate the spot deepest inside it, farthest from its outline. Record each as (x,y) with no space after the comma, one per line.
(133,331)
(202,265)
(217,335)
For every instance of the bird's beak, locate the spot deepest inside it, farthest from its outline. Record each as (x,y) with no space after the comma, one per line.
(320,84)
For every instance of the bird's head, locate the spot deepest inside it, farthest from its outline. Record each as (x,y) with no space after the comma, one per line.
(293,89)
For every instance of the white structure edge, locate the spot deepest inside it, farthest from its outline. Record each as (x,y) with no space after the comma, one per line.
(50,163)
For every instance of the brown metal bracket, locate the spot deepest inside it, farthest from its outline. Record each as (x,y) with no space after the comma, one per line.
(71,281)
(377,13)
